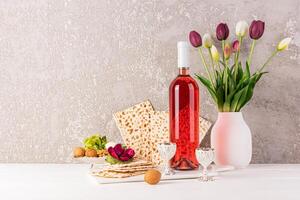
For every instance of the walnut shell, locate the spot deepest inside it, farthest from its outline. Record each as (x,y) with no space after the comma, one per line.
(91,153)
(102,152)
(152,176)
(78,152)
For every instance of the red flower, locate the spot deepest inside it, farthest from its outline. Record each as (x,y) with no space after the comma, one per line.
(235,46)
(256,29)
(195,39)
(222,31)
(120,153)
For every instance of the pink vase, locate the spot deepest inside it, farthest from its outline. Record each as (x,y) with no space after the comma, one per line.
(231,139)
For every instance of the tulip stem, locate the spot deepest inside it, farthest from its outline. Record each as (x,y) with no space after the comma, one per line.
(226,82)
(212,63)
(219,66)
(223,47)
(225,78)
(235,59)
(205,66)
(268,60)
(251,52)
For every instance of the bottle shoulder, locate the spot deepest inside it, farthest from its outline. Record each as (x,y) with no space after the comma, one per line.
(184,80)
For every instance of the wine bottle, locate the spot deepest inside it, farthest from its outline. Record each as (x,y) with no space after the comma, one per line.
(184,113)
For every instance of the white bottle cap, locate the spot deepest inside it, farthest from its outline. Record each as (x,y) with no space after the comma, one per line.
(183,54)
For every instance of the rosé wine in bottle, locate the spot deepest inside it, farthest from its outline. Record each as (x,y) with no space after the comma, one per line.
(184,113)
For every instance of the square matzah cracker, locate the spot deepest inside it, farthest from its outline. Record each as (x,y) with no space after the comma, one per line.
(159,125)
(133,124)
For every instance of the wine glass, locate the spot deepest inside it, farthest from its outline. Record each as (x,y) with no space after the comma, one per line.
(166,151)
(205,157)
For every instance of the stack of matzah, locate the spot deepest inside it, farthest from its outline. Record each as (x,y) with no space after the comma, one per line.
(125,170)
(142,128)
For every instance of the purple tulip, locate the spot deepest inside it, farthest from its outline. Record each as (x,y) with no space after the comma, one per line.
(222,31)
(120,153)
(256,29)
(235,46)
(195,39)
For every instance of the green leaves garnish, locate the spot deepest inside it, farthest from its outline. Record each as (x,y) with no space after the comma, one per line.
(111,160)
(95,142)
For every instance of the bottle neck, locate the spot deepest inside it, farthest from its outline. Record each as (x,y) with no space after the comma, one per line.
(184,71)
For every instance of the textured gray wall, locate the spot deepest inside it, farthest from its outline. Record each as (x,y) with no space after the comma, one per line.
(65,66)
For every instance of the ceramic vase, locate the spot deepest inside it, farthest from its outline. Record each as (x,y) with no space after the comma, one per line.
(232,141)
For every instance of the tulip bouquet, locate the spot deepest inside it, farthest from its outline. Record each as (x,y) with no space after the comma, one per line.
(230,84)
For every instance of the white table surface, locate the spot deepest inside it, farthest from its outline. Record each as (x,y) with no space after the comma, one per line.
(71,181)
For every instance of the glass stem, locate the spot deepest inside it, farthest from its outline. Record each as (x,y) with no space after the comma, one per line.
(167,169)
(205,178)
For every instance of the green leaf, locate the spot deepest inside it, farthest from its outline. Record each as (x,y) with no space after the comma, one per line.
(239,72)
(95,142)
(248,95)
(232,68)
(244,98)
(226,106)
(103,142)
(208,86)
(111,160)
(219,78)
(247,71)
(259,76)
(231,83)
(220,98)
(224,65)
(236,98)
(204,81)
(240,85)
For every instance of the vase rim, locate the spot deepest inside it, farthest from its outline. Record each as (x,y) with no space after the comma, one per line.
(229,112)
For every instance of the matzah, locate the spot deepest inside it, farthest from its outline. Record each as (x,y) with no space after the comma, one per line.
(133,124)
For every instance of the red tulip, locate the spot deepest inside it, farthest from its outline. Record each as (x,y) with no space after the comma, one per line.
(195,39)
(256,29)
(235,46)
(129,153)
(222,31)
(120,153)
(112,152)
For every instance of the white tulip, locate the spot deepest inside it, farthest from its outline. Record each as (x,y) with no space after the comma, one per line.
(110,144)
(207,41)
(215,53)
(241,28)
(283,44)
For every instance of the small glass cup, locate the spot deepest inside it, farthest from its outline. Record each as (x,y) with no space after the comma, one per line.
(166,151)
(205,157)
